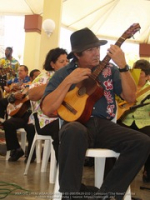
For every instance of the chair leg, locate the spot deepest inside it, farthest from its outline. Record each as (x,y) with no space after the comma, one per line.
(46,155)
(30,155)
(128,194)
(99,171)
(38,151)
(23,140)
(99,175)
(53,163)
(7,155)
(57,195)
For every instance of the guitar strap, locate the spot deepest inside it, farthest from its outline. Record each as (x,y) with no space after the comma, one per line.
(132,109)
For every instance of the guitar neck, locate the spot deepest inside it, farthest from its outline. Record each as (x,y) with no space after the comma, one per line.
(127,34)
(106,59)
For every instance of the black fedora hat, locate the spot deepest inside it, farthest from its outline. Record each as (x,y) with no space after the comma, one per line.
(82,40)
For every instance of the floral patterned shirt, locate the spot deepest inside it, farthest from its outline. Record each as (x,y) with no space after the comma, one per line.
(12,64)
(41,79)
(110,81)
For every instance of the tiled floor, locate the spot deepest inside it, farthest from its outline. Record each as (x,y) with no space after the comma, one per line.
(37,183)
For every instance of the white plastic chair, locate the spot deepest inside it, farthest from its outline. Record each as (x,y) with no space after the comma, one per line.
(47,151)
(23,141)
(100,156)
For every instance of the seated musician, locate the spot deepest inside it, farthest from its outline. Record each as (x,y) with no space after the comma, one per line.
(19,120)
(95,129)
(55,59)
(139,118)
(14,85)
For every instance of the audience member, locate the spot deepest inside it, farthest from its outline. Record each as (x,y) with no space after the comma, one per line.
(33,74)
(98,131)
(8,66)
(9,60)
(138,119)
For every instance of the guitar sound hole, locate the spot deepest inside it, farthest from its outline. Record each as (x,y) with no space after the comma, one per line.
(82,91)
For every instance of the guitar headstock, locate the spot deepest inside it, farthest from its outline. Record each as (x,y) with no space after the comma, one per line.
(131,31)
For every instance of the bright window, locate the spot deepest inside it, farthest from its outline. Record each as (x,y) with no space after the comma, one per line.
(12,34)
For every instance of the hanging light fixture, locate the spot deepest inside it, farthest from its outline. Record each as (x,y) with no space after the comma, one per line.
(48,26)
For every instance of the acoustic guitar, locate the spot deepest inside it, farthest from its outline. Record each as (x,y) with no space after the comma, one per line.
(123,108)
(78,103)
(19,107)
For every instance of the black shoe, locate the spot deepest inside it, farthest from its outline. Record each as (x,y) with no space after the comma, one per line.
(16,155)
(88,189)
(13,152)
(32,159)
(89,162)
(146,178)
(84,194)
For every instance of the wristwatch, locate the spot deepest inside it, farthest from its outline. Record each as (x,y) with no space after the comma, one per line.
(125,69)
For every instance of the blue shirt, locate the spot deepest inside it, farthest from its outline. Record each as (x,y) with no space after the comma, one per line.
(110,80)
(16,80)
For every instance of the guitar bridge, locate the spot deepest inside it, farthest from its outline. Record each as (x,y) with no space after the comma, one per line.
(69,107)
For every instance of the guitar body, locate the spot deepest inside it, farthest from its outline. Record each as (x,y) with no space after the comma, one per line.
(25,106)
(122,108)
(79,102)
(18,108)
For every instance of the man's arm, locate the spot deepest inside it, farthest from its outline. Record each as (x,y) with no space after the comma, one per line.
(54,99)
(127,81)
(128,87)
(36,93)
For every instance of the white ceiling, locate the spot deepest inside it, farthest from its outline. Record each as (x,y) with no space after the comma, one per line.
(107,18)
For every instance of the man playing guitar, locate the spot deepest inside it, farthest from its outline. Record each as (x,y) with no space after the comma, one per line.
(14,85)
(20,120)
(138,118)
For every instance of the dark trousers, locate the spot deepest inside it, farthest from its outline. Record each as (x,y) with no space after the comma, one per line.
(75,138)
(3,106)
(50,129)
(10,127)
(145,130)
(30,129)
